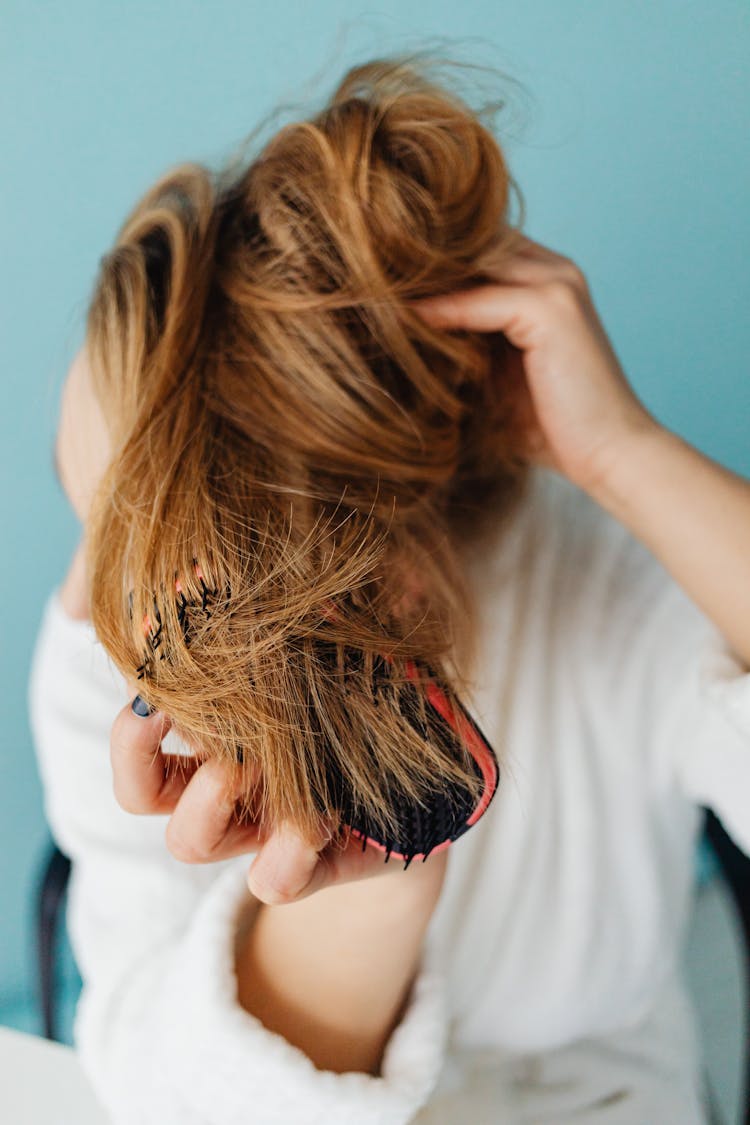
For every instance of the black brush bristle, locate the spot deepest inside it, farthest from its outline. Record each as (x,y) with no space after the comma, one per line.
(444,817)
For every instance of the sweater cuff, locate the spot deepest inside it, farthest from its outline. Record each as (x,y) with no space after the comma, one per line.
(725,680)
(256,1072)
(714,765)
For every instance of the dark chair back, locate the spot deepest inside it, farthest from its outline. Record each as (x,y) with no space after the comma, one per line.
(735,869)
(50,895)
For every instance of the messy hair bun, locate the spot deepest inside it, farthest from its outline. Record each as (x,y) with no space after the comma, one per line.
(296,454)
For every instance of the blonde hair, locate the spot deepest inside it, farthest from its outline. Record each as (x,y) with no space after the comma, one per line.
(296,448)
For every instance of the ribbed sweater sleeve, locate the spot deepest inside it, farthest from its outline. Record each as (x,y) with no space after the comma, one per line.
(662,670)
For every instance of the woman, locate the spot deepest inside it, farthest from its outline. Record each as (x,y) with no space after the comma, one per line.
(351,329)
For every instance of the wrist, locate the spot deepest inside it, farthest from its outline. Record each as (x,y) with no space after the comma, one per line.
(622,468)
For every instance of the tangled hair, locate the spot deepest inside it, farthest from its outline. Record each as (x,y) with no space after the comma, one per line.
(298,459)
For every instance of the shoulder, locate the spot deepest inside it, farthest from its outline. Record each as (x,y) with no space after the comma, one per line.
(575,578)
(588,573)
(585,541)
(560,533)
(635,630)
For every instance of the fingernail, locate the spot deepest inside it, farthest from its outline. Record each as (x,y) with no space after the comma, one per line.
(140,707)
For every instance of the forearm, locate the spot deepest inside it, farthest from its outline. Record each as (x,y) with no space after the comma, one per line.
(332,972)
(694,515)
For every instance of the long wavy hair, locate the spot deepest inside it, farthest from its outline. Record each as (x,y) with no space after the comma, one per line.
(298,459)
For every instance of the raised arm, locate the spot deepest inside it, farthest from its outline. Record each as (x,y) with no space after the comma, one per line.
(586,423)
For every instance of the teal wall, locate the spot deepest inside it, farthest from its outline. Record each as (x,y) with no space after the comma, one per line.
(630,145)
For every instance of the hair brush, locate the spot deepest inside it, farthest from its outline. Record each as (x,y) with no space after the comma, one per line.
(420,829)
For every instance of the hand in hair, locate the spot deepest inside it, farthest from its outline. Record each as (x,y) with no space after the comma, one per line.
(204,826)
(577,404)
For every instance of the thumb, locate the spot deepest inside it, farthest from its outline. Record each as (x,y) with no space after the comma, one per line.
(285,867)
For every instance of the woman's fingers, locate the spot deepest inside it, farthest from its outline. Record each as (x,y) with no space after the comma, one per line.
(525,275)
(287,868)
(138,764)
(204,827)
(525,314)
(482,308)
(201,795)
(525,262)
(203,798)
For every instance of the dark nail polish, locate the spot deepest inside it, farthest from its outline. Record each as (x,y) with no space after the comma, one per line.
(141,707)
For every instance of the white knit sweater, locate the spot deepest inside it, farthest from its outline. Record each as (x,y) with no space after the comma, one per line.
(549,989)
